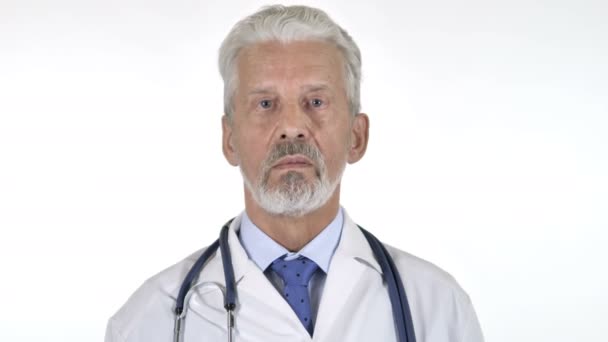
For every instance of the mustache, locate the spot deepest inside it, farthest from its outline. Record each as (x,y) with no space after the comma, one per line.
(289,148)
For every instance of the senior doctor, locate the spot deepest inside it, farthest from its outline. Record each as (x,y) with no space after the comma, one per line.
(303,269)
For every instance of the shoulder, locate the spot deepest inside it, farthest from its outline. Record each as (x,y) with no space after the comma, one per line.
(436,298)
(153,301)
(422,272)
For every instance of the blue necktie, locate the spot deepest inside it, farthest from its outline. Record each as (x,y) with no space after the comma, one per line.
(296,274)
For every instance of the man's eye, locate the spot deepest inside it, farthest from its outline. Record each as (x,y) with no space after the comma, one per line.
(316,102)
(265,104)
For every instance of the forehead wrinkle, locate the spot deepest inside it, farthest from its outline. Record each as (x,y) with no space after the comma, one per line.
(309,74)
(315,87)
(284,59)
(267,71)
(262,90)
(309,82)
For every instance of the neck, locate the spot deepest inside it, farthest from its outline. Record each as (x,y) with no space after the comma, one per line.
(293,233)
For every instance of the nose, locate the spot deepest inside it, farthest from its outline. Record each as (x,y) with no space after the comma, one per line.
(293,124)
(298,136)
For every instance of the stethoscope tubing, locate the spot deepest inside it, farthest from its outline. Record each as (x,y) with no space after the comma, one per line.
(404,325)
(399,303)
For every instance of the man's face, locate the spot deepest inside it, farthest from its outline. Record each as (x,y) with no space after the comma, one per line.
(291,129)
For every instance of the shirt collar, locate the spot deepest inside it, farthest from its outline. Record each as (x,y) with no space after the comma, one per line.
(263,250)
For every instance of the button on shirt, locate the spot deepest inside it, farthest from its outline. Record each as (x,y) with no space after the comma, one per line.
(263,250)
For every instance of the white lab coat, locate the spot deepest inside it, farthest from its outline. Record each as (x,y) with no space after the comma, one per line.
(355,305)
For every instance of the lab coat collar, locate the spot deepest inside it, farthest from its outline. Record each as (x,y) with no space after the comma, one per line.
(213,272)
(352,260)
(240,260)
(352,245)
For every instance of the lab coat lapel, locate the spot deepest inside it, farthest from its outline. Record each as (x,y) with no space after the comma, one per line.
(206,301)
(352,259)
(253,288)
(263,306)
(214,270)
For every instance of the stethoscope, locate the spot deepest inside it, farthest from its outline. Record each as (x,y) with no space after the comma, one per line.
(400,307)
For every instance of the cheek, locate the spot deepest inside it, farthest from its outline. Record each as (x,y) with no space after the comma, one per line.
(337,155)
(251,155)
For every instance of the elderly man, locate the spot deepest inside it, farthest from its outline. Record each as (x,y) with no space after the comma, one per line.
(302,269)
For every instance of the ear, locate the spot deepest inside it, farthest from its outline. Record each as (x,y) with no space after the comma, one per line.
(228,142)
(359,137)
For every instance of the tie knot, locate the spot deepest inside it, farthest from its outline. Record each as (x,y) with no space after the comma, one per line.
(295,272)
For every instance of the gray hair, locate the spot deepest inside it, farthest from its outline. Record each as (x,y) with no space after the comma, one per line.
(286,24)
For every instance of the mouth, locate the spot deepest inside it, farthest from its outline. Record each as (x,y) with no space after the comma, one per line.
(292,162)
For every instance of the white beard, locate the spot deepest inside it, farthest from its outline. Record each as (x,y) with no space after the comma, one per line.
(293,196)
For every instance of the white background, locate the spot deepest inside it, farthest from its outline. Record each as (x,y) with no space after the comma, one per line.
(488,153)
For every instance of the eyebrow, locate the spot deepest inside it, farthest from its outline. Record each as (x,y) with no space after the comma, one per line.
(315,87)
(306,87)
(263,90)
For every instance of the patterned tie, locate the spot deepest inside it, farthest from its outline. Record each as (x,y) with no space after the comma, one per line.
(296,274)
